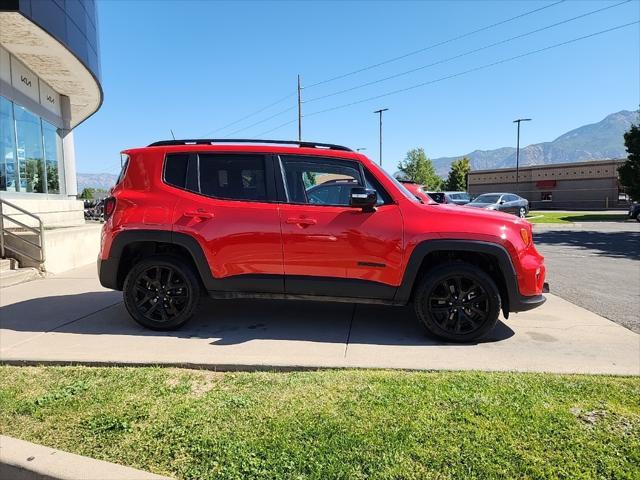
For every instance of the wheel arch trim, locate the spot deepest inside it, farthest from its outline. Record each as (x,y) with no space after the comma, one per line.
(427,247)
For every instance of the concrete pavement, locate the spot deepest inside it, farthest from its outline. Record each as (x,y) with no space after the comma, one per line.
(70,318)
(595,265)
(20,460)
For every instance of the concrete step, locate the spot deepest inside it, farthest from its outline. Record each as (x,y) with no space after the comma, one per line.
(20,275)
(8,264)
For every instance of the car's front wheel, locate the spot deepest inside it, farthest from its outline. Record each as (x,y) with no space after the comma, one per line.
(458,302)
(161,293)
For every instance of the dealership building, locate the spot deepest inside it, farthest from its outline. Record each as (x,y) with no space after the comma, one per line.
(579,186)
(49,84)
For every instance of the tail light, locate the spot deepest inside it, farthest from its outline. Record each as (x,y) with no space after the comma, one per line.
(109,207)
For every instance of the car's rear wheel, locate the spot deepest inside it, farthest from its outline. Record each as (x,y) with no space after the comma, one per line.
(457,302)
(522,213)
(161,293)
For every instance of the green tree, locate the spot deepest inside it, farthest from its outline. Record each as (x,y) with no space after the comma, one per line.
(87,194)
(458,174)
(629,171)
(418,168)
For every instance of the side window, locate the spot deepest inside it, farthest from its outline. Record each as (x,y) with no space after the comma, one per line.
(319,181)
(175,169)
(373,184)
(233,177)
(124,160)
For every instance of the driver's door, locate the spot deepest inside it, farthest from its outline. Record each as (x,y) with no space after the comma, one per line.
(330,248)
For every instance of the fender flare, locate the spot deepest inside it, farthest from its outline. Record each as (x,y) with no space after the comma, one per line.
(424,248)
(108,269)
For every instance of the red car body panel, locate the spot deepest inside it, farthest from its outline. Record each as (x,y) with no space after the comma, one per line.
(249,238)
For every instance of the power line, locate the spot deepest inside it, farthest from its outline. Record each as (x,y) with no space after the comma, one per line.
(475,69)
(276,128)
(487,27)
(429,47)
(248,116)
(261,121)
(439,62)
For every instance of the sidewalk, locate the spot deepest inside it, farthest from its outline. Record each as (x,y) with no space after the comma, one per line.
(70,318)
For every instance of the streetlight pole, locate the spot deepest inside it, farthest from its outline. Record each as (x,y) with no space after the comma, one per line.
(380,113)
(518,121)
(299,110)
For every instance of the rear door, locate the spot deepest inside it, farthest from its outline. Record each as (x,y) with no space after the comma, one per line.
(512,203)
(228,204)
(329,247)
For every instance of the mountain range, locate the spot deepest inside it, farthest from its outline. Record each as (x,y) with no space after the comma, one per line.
(596,141)
(96,180)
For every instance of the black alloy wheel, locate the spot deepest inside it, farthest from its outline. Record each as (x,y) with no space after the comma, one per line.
(161,293)
(458,302)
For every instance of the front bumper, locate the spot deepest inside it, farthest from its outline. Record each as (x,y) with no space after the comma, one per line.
(522,303)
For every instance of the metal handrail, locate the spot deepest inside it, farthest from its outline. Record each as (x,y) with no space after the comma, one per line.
(39,231)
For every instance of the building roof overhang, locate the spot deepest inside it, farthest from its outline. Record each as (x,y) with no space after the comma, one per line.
(53,62)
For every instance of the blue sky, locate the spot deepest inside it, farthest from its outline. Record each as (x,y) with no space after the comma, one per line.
(196,66)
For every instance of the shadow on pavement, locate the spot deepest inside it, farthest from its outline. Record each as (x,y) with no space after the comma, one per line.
(612,244)
(232,322)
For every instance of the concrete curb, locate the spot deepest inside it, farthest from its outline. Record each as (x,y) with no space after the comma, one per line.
(274,367)
(20,460)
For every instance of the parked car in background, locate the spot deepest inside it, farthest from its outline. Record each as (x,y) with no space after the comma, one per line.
(458,198)
(438,197)
(503,202)
(418,191)
(634,211)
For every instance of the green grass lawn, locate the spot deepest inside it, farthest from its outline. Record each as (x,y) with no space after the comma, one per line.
(564,217)
(331,424)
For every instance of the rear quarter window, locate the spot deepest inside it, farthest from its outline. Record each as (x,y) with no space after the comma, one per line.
(175,169)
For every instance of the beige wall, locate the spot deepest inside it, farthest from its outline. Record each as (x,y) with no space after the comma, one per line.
(583,185)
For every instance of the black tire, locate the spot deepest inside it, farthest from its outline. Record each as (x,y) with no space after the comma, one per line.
(161,293)
(459,318)
(522,212)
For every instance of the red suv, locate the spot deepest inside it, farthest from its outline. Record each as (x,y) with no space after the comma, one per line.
(300,220)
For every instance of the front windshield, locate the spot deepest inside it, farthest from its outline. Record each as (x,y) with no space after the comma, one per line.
(487,198)
(400,186)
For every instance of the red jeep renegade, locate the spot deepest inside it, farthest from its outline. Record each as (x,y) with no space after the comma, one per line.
(300,220)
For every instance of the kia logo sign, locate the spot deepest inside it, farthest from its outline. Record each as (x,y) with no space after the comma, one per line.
(25,80)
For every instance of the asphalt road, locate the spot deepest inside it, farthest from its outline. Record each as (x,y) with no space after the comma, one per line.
(595,265)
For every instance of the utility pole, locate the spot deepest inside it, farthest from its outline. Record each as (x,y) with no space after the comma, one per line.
(380,113)
(518,121)
(299,110)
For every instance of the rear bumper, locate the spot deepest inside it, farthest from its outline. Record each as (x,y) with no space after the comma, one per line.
(108,273)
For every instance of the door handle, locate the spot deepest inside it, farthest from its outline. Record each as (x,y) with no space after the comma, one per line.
(301,221)
(198,214)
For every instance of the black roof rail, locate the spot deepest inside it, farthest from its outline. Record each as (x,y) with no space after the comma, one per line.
(209,141)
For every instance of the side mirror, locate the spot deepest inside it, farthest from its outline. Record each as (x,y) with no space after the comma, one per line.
(502,202)
(363,198)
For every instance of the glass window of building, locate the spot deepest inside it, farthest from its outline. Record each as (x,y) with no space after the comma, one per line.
(53,157)
(7,147)
(31,171)
(31,153)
